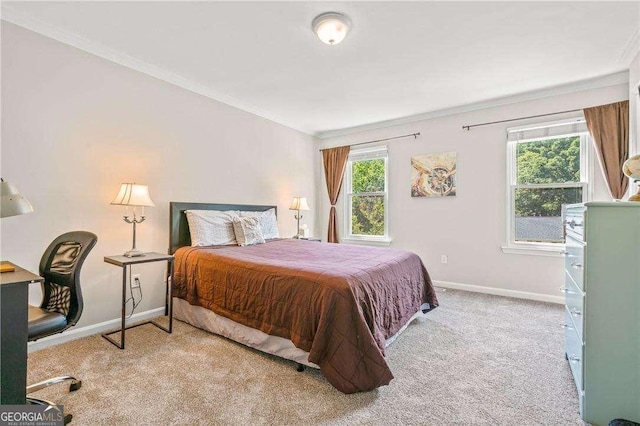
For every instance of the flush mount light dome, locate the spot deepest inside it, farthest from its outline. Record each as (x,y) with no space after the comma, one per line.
(331,27)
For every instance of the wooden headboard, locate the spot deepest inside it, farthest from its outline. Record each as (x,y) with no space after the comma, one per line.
(179,235)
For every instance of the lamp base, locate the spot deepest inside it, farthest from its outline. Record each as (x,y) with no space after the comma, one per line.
(134,253)
(636,197)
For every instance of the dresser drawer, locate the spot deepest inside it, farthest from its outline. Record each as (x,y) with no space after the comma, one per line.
(574,349)
(574,261)
(574,301)
(574,223)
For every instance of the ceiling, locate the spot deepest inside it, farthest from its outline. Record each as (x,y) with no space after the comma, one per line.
(400,59)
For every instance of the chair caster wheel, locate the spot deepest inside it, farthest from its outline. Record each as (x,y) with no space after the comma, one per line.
(67,418)
(74,386)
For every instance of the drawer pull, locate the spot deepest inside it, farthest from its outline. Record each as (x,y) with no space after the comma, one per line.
(576,265)
(575,312)
(567,326)
(574,359)
(573,224)
(566,290)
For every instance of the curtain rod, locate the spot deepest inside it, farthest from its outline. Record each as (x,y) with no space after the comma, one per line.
(468,127)
(415,136)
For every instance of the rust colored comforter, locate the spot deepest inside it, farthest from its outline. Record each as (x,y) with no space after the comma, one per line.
(338,302)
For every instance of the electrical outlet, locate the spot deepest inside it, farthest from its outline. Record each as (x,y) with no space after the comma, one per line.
(135,281)
(444,258)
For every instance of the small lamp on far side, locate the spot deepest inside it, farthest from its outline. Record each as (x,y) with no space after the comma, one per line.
(298,204)
(631,168)
(133,195)
(11,204)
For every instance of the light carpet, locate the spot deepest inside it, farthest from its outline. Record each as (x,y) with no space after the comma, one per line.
(477,359)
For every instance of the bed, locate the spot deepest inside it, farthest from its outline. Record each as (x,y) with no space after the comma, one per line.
(332,306)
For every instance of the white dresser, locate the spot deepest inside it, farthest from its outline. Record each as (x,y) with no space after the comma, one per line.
(602,308)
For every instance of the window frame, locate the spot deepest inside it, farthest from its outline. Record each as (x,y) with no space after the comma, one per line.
(586,183)
(365,155)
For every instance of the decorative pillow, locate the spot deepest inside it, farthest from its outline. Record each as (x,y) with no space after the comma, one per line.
(211,227)
(268,222)
(248,231)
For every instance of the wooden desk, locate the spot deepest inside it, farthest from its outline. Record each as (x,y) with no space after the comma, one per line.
(126,262)
(14,298)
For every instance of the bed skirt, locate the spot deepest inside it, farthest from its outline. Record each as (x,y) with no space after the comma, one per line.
(207,320)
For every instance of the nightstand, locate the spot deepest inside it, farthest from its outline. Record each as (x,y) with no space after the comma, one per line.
(126,263)
(311,239)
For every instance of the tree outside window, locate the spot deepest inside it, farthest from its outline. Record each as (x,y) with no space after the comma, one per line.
(366,194)
(549,172)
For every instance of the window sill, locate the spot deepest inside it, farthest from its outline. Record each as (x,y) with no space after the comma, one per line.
(535,250)
(382,242)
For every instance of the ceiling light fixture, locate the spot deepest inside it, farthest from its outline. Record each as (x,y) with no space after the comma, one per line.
(331,27)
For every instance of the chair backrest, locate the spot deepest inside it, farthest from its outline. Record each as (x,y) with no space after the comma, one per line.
(60,267)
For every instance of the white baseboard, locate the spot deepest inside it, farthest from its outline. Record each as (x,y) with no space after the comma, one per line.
(500,292)
(77,333)
(74,333)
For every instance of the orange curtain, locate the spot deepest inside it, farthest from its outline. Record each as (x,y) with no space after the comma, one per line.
(335,162)
(609,128)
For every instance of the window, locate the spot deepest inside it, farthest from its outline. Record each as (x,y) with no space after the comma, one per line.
(366,195)
(547,167)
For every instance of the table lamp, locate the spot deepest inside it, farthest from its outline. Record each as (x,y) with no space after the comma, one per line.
(11,204)
(134,195)
(299,203)
(631,168)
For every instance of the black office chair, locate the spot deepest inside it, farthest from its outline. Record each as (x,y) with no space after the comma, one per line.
(61,305)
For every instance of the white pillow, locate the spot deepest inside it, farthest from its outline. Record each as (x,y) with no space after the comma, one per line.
(248,231)
(211,227)
(268,222)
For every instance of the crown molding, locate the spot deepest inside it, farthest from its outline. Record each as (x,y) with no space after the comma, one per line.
(593,83)
(631,50)
(13,16)
(67,37)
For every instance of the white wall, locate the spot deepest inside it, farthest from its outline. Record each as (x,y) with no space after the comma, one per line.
(634,108)
(74,126)
(471,227)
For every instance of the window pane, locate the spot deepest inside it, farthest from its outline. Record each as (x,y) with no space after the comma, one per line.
(549,161)
(538,212)
(368,175)
(367,215)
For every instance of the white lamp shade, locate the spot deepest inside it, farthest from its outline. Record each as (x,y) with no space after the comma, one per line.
(12,203)
(331,27)
(132,194)
(299,203)
(631,167)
